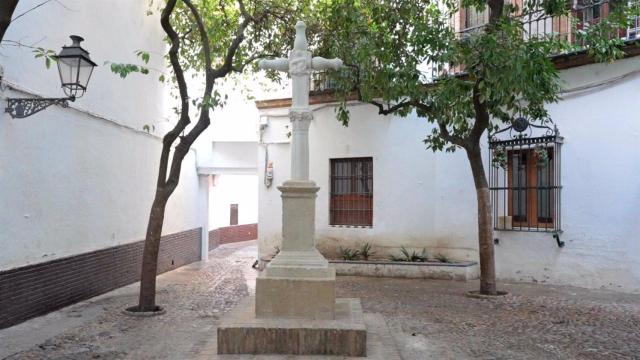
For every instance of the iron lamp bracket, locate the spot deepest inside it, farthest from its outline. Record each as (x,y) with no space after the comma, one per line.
(25,107)
(556,236)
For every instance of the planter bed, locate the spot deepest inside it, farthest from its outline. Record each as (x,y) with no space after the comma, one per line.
(464,270)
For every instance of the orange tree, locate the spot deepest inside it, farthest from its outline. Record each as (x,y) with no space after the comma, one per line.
(212,39)
(393,48)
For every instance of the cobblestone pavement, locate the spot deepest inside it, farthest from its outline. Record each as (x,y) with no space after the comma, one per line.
(429,319)
(434,320)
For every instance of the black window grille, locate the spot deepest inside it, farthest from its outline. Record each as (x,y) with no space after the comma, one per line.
(351,197)
(525,181)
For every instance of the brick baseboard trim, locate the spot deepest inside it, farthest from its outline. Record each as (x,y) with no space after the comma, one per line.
(231,234)
(37,289)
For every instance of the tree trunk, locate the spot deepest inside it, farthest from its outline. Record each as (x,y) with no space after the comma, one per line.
(147,300)
(485,228)
(7,7)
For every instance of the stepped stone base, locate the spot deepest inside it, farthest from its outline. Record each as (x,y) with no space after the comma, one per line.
(241,332)
(295,298)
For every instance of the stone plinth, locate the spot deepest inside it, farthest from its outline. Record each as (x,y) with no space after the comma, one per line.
(298,282)
(295,298)
(240,332)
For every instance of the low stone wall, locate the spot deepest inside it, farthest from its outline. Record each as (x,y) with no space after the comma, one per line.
(467,270)
(37,289)
(231,234)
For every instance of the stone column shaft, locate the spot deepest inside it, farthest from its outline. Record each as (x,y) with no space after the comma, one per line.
(300,122)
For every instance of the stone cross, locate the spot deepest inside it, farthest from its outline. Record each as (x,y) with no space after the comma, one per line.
(299,65)
(298,282)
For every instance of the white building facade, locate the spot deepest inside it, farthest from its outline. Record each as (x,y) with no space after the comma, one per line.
(77,183)
(421,199)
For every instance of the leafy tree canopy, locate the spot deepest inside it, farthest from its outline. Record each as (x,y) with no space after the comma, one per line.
(405,55)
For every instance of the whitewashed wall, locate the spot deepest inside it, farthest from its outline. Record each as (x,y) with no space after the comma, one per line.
(422,199)
(79,179)
(233,189)
(601,189)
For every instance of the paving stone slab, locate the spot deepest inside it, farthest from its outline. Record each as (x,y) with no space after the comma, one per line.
(240,332)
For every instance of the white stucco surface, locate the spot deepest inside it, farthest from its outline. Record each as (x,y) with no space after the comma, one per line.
(83,178)
(422,199)
(233,189)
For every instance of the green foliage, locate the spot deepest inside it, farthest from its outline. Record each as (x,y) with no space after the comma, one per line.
(442,258)
(149,128)
(366,251)
(349,254)
(542,155)
(602,40)
(397,55)
(49,56)
(412,256)
(143,55)
(499,157)
(270,33)
(123,70)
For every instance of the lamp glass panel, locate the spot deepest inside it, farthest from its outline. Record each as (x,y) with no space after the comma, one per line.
(84,74)
(67,67)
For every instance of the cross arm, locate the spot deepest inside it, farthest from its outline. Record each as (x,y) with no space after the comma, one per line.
(280,64)
(320,63)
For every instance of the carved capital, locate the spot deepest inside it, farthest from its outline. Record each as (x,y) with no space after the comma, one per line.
(300,62)
(300,119)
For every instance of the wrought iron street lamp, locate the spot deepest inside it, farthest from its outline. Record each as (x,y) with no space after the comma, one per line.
(75,68)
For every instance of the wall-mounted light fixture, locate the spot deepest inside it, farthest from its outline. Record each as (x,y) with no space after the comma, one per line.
(75,68)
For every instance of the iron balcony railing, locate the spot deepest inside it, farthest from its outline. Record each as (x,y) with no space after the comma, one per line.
(582,13)
(537,24)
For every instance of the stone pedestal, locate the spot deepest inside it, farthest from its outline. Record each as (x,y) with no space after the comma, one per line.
(295,310)
(240,332)
(298,282)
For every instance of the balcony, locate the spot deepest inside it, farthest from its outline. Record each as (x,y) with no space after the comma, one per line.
(537,24)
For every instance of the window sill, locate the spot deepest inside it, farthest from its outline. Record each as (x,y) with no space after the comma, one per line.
(530,229)
(352,226)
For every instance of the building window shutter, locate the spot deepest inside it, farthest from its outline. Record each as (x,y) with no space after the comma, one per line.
(351,197)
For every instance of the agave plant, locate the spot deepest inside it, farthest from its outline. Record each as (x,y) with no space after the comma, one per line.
(410,256)
(349,254)
(442,258)
(366,252)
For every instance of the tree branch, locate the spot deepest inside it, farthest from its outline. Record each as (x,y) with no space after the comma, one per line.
(389,109)
(482,115)
(203,120)
(447,136)
(7,7)
(251,59)
(172,135)
(495,10)
(227,65)
(30,10)
(243,10)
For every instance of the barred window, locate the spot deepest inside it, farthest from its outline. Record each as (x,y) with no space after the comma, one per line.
(531,184)
(351,197)
(524,180)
